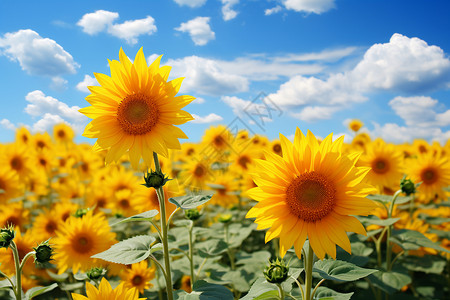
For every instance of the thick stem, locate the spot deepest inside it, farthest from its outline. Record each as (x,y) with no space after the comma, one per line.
(165,242)
(18,289)
(191,255)
(308,273)
(280,291)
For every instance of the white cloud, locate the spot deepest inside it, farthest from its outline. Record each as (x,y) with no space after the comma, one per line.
(228,13)
(309,6)
(199,100)
(199,30)
(239,106)
(395,133)
(37,55)
(191,3)
(211,118)
(204,76)
(131,30)
(316,113)
(5,123)
(103,21)
(58,83)
(51,111)
(328,55)
(402,65)
(87,81)
(272,10)
(96,22)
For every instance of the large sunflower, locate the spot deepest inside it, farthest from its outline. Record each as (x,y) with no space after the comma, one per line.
(77,239)
(135,109)
(139,276)
(310,192)
(105,291)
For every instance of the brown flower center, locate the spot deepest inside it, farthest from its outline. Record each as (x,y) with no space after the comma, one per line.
(199,170)
(61,134)
(429,176)
(50,227)
(16,163)
(82,244)
(243,161)
(40,144)
(219,141)
(311,196)
(380,166)
(124,203)
(137,280)
(276,148)
(12,220)
(137,114)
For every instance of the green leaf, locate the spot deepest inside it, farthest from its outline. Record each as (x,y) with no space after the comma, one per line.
(145,216)
(387,199)
(324,293)
(38,290)
(207,291)
(377,221)
(431,264)
(391,281)
(211,248)
(360,254)
(182,223)
(128,251)
(190,201)
(340,270)
(413,240)
(259,288)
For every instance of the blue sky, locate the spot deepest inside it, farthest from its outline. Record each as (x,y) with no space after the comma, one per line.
(267,66)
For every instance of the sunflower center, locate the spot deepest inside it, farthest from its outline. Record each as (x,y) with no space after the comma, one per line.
(12,220)
(276,148)
(124,203)
(61,134)
(243,161)
(380,166)
(50,227)
(222,192)
(40,144)
(429,176)
(137,114)
(84,167)
(199,171)
(219,141)
(82,244)
(311,196)
(16,163)
(137,280)
(2,185)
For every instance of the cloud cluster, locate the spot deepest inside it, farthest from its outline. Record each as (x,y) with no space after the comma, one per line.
(309,6)
(405,65)
(87,81)
(103,21)
(211,118)
(199,30)
(37,55)
(228,13)
(191,3)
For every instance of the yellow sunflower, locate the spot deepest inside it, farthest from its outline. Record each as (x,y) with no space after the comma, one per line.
(23,135)
(135,109)
(77,239)
(355,125)
(138,276)
(9,184)
(17,157)
(226,187)
(311,192)
(25,243)
(41,141)
(105,291)
(420,146)
(195,174)
(275,147)
(386,163)
(63,133)
(14,214)
(45,225)
(433,172)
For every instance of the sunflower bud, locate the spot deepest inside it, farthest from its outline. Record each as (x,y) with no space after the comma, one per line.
(7,234)
(155,179)
(95,273)
(192,214)
(276,271)
(407,186)
(43,253)
(225,218)
(80,212)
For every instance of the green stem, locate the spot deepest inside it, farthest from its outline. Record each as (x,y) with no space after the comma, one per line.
(165,242)
(201,266)
(316,287)
(280,291)
(229,250)
(18,289)
(24,260)
(389,232)
(9,279)
(411,205)
(299,286)
(308,273)
(191,255)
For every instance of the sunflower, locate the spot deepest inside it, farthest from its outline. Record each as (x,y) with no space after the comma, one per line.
(45,225)
(386,163)
(311,191)
(105,291)
(63,133)
(41,141)
(23,135)
(77,239)
(355,125)
(124,202)
(195,174)
(9,184)
(25,243)
(17,158)
(138,276)
(135,109)
(275,147)
(360,141)
(98,196)
(186,283)
(216,140)
(64,210)
(14,214)
(433,172)
(226,187)
(421,146)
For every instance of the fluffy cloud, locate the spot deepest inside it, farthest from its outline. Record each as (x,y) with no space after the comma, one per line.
(5,123)
(309,6)
(37,55)
(191,3)
(211,118)
(272,10)
(316,113)
(402,65)
(228,13)
(199,30)
(204,76)
(58,83)
(51,111)
(103,21)
(261,109)
(87,81)
(96,22)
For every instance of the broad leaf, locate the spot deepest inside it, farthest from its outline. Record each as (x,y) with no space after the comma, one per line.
(260,287)
(391,281)
(145,216)
(190,201)
(428,264)
(211,248)
(387,199)
(207,291)
(413,240)
(38,290)
(340,270)
(377,221)
(324,293)
(128,251)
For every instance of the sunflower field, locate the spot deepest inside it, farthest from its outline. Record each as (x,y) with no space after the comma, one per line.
(140,215)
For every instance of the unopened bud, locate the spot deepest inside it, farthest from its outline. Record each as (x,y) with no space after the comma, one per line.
(407,186)
(95,273)
(155,179)
(192,214)
(7,234)
(43,253)
(276,271)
